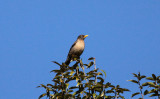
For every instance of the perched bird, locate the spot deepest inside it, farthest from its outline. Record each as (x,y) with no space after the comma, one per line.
(76,49)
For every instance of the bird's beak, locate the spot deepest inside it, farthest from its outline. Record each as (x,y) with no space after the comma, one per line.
(85,36)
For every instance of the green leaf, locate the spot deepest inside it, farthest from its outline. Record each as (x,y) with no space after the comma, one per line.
(99,73)
(149,78)
(74,87)
(152,95)
(145,84)
(56,81)
(56,63)
(94,95)
(43,86)
(92,58)
(104,72)
(81,63)
(146,92)
(134,81)
(90,64)
(135,75)
(70,91)
(109,91)
(42,95)
(67,85)
(154,77)
(124,89)
(142,77)
(71,73)
(101,79)
(135,94)
(151,84)
(152,91)
(56,71)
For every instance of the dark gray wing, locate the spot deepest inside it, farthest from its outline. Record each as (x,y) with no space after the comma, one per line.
(67,62)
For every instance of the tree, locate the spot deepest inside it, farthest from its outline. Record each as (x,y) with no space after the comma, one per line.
(86,81)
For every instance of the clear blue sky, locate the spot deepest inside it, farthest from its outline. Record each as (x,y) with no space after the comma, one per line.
(124,36)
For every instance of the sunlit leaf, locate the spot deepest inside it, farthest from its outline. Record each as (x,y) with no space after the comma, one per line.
(42,95)
(151,84)
(149,78)
(145,84)
(67,85)
(104,72)
(70,91)
(94,95)
(71,73)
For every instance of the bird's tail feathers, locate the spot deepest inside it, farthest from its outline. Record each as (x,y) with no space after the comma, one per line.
(67,62)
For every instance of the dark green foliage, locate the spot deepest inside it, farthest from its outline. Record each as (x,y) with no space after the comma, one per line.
(153,85)
(74,83)
(89,85)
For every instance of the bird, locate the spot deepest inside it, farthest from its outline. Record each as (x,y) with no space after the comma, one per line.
(76,49)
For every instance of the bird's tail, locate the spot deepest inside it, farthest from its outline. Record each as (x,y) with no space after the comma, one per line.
(68,60)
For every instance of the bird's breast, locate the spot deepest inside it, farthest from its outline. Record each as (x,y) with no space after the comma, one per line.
(79,46)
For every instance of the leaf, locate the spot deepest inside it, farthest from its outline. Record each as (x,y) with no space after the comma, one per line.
(81,63)
(94,95)
(67,85)
(56,63)
(124,89)
(142,77)
(152,95)
(101,79)
(74,87)
(145,84)
(102,94)
(146,92)
(70,91)
(71,73)
(149,78)
(99,73)
(56,81)
(151,84)
(134,81)
(56,71)
(43,86)
(42,95)
(152,91)
(92,58)
(109,91)
(104,72)
(90,64)
(135,75)
(154,77)
(135,94)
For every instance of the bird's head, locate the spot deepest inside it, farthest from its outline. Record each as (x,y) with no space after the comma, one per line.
(82,37)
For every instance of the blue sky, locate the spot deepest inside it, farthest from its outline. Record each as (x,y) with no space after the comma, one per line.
(124,36)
